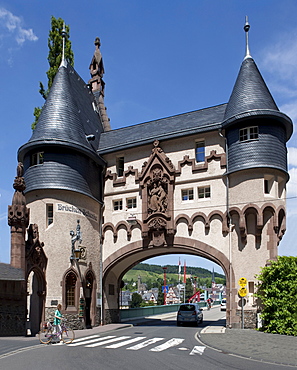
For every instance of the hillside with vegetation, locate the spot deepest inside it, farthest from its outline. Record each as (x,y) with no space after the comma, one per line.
(153,276)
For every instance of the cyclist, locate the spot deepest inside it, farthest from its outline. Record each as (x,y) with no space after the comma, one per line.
(57,320)
(209,303)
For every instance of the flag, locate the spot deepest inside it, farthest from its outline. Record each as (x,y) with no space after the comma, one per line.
(179,266)
(185,272)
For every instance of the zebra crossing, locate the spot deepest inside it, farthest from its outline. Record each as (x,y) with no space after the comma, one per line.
(114,342)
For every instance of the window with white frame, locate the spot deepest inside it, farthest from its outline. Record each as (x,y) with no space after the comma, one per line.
(131,203)
(117,205)
(187,194)
(200,151)
(249,133)
(120,166)
(37,158)
(204,192)
(49,214)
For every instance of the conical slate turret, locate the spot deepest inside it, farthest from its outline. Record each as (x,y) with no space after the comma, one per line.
(255,129)
(61,153)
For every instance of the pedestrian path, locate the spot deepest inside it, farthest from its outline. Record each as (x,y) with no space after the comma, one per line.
(134,343)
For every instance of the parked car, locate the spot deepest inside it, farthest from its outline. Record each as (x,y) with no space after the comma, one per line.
(189,313)
(223,304)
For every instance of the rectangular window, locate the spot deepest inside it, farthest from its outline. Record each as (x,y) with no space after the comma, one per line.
(187,194)
(248,133)
(37,158)
(200,151)
(131,203)
(204,192)
(117,205)
(120,166)
(49,214)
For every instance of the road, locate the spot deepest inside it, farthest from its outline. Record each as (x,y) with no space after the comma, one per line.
(155,344)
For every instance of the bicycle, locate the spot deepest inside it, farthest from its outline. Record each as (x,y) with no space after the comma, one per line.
(46,334)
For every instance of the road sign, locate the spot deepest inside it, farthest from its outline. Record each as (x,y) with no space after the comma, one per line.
(165,288)
(242,281)
(242,292)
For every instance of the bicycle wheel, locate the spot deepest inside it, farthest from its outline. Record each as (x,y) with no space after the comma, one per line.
(45,334)
(67,335)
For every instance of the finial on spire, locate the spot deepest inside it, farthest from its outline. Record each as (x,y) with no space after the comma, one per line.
(64,34)
(246,29)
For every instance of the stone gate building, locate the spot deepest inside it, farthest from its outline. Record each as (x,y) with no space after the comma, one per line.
(210,183)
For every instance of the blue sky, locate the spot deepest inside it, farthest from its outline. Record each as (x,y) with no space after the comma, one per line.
(161,58)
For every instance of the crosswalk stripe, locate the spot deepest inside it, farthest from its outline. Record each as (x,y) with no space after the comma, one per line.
(97,339)
(197,350)
(107,341)
(122,344)
(86,338)
(170,343)
(145,343)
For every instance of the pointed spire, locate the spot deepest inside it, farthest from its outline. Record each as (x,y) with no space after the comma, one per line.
(246,28)
(64,34)
(250,93)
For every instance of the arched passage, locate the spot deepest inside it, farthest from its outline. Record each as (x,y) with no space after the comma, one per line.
(118,263)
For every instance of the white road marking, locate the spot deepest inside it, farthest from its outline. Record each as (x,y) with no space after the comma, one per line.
(107,341)
(145,344)
(170,343)
(86,338)
(197,350)
(97,339)
(122,344)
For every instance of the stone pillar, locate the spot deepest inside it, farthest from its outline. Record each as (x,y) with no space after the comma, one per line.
(18,220)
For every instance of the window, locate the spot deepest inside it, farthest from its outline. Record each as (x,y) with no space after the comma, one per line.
(37,158)
(70,289)
(120,166)
(268,184)
(200,151)
(248,133)
(131,203)
(187,194)
(204,192)
(49,214)
(117,205)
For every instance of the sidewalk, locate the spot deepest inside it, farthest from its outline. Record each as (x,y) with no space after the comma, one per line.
(265,347)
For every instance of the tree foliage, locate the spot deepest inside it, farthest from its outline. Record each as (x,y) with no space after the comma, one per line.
(277,291)
(136,300)
(55,45)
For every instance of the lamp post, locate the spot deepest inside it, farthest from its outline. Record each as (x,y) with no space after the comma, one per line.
(164,269)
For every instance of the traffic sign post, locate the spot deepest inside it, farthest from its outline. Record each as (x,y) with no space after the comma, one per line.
(242,292)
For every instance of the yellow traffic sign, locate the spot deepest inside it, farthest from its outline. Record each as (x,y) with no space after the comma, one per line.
(242,281)
(242,292)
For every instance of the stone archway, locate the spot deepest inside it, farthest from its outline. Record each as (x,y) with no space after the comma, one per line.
(117,264)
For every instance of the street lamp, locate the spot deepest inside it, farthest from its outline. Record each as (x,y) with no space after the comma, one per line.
(164,269)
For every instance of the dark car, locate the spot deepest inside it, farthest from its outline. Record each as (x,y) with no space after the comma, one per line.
(223,304)
(189,313)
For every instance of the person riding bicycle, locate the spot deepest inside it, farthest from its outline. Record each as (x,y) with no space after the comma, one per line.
(209,303)
(57,320)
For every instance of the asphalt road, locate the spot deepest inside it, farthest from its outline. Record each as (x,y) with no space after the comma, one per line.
(155,344)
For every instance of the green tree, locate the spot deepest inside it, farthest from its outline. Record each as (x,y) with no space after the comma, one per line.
(160,300)
(189,289)
(55,45)
(136,300)
(277,292)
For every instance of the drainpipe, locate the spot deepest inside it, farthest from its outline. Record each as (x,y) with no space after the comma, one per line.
(101,263)
(230,225)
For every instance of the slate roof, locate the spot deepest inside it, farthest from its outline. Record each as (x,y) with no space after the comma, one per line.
(251,97)
(7,272)
(166,128)
(67,116)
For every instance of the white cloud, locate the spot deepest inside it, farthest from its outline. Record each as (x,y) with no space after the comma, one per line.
(11,25)
(292,157)
(292,184)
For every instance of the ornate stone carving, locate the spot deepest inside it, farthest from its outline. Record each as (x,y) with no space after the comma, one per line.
(35,256)
(157,183)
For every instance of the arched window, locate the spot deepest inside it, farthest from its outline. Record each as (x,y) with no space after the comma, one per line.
(70,283)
